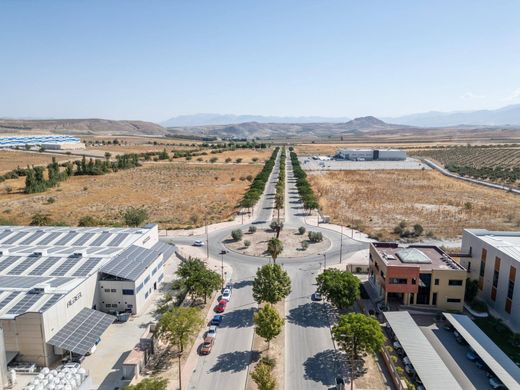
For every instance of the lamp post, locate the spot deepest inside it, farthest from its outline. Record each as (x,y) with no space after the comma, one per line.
(207,236)
(222,269)
(324,261)
(341,246)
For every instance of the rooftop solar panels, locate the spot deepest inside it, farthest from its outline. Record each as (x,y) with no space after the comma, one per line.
(50,237)
(20,268)
(118,239)
(80,334)
(5,233)
(25,304)
(21,281)
(67,239)
(131,263)
(55,298)
(4,264)
(45,265)
(65,267)
(59,281)
(84,238)
(4,302)
(87,266)
(101,239)
(15,238)
(32,238)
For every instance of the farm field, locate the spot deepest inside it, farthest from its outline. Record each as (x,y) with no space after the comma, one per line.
(376,201)
(247,156)
(10,160)
(174,195)
(330,149)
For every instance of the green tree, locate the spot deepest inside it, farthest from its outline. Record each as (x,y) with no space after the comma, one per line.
(88,221)
(471,290)
(197,279)
(40,219)
(357,334)
(271,284)
(301,230)
(263,376)
(342,288)
(207,282)
(274,248)
(135,216)
(178,324)
(268,323)
(278,204)
(237,234)
(149,384)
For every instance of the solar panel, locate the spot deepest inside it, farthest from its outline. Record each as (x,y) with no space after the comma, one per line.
(65,267)
(32,238)
(44,265)
(25,304)
(67,238)
(21,281)
(87,266)
(8,299)
(80,334)
(55,298)
(15,238)
(101,239)
(84,238)
(118,239)
(18,270)
(50,237)
(4,234)
(8,262)
(131,263)
(59,281)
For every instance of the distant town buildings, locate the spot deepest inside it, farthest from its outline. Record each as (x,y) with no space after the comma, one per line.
(416,275)
(55,142)
(372,154)
(494,261)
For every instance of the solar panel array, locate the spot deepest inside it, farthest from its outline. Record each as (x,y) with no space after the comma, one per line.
(21,281)
(87,266)
(8,299)
(4,264)
(55,298)
(25,303)
(131,263)
(45,265)
(22,266)
(81,333)
(15,238)
(66,266)
(32,238)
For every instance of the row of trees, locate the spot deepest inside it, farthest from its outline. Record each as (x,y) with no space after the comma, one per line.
(503,174)
(257,187)
(310,202)
(280,188)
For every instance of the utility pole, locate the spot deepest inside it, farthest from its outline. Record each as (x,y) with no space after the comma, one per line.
(207,236)
(325,261)
(222,269)
(341,246)
(180,371)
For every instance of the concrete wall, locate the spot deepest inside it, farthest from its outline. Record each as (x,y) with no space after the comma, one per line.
(445,291)
(112,299)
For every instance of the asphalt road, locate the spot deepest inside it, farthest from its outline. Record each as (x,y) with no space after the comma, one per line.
(310,359)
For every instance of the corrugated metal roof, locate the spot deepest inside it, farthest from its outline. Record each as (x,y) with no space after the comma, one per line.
(503,367)
(432,370)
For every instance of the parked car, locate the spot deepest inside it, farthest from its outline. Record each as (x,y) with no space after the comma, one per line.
(471,355)
(223,252)
(221,306)
(409,369)
(226,295)
(406,361)
(495,383)
(198,243)
(217,319)
(317,296)
(212,331)
(207,345)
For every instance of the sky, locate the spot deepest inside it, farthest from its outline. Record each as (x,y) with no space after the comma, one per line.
(151,60)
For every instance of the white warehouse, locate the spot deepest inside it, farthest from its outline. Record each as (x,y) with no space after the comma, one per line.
(48,141)
(59,286)
(372,154)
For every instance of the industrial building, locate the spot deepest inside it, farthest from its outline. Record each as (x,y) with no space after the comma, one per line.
(493,259)
(60,287)
(46,141)
(420,275)
(372,154)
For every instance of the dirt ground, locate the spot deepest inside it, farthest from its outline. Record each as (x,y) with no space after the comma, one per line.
(247,155)
(331,149)
(174,195)
(376,201)
(10,160)
(291,239)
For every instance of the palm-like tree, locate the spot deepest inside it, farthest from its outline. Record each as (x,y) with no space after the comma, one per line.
(278,203)
(274,248)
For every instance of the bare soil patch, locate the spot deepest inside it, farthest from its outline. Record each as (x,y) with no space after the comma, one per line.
(175,195)
(376,201)
(10,160)
(292,244)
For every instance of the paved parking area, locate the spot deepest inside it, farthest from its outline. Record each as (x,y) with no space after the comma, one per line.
(309,164)
(120,338)
(453,354)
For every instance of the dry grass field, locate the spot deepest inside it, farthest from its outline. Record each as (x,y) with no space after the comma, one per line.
(174,194)
(376,201)
(247,156)
(10,160)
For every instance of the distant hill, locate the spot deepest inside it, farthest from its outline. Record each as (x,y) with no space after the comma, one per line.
(509,115)
(81,126)
(229,119)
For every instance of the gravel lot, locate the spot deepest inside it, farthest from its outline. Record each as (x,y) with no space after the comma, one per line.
(344,165)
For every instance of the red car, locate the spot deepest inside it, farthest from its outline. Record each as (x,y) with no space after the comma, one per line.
(221,306)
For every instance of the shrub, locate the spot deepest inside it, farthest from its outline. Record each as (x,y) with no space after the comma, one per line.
(301,230)
(238,160)
(40,219)
(276,225)
(213,160)
(237,234)
(305,245)
(315,237)
(247,243)
(229,159)
(51,200)
(135,216)
(252,229)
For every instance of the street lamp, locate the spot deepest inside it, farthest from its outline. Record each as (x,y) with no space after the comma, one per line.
(324,261)
(341,246)
(222,269)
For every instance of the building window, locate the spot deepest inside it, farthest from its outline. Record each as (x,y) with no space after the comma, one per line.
(107,290)
(453,300)
(454,282)
(436,282)
(414,281)
(511,286)
(113,290)
(114,305)
(508,305)
(146,280)
(146,295)
(382,275)
(139,288)
(469,266)
(128,291)
(108,305)
(377,267)
(434,299)
(398,281)
(161,276)
(411,298)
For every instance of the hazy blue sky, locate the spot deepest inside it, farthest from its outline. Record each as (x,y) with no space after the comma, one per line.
(155,59)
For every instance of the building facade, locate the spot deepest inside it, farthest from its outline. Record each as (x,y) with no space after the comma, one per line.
(493,259)
(416,275)
(52,277)
(372,154)
(48,141)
